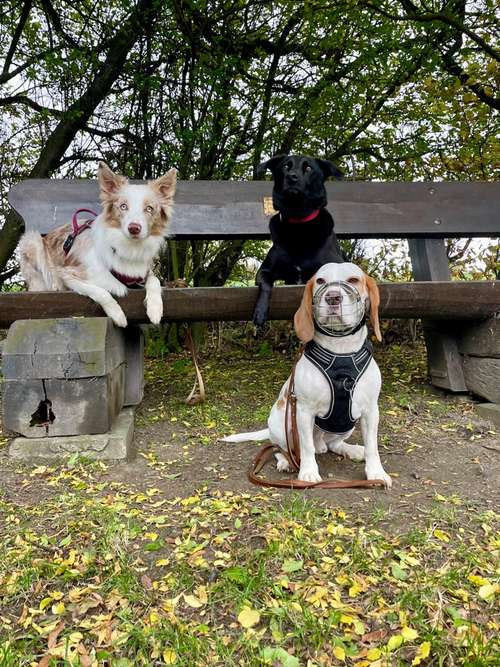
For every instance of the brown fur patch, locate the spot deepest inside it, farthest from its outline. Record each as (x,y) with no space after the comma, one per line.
(111,214)
(159,224)
(281,403)
(54,242)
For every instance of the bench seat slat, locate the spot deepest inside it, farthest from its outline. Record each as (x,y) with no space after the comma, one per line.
(235,209)
(471,300)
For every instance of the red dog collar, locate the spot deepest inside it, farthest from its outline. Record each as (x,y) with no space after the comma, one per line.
(308,218)
(129,281)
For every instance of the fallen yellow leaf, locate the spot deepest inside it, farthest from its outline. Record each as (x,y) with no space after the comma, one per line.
(248,617)
(423,652)
(169,656)
(339,653)
(409,633)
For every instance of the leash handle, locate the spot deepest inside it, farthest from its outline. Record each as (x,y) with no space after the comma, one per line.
(74,220)
(77,229)
(265,454)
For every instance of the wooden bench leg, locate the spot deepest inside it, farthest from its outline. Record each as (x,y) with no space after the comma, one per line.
(134,365)
(430,262)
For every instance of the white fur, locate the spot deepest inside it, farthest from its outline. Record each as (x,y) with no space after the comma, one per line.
(104,248)
(313,399)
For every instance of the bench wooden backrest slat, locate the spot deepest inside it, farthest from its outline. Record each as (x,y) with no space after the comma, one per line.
(235,209)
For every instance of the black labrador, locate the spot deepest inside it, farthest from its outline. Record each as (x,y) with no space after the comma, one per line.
(302,231)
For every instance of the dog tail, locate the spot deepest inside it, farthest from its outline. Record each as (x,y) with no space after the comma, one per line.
(255,436)
(35,267)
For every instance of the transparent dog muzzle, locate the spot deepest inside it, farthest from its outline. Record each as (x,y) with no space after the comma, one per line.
(338,308)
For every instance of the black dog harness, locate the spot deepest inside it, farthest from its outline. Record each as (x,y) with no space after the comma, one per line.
(342,372)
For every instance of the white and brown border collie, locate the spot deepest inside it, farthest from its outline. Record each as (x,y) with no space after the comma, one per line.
(115,252)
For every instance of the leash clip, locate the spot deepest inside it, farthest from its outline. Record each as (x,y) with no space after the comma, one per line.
(68,243)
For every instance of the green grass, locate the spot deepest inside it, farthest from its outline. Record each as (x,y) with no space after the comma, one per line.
(111,574)
(319,581)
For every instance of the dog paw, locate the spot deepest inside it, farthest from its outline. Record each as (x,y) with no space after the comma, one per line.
(119,318)
(154,311)
(320,447)
(282,464)
(119,289)
(354,452)
(377,472)
(259,318)
(309,475)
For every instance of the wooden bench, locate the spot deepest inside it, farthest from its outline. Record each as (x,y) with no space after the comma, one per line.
(461,352)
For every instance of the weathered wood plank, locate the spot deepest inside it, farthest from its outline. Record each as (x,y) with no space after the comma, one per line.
(482,376)
(438,300)
(430,262)
(481,339)
(234,209)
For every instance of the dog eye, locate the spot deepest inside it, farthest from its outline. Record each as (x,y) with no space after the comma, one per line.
(307,168)
(286,167)
(353,280)
(149,209)
(124,207)
(320,281)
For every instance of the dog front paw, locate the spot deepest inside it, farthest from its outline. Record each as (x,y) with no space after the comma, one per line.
(259,317)
(119,289)
(282,464)
(154,309)
(309,475)
(377,472)
(117,315)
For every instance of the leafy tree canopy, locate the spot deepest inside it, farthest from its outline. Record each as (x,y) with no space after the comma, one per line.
(389,90)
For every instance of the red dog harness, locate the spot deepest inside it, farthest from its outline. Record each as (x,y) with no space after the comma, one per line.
(129,281)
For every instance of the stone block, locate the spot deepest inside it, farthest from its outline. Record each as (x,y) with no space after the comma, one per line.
(482,376)
(71,370)
(80,406)
(489,411)
(72,347)
(117,444)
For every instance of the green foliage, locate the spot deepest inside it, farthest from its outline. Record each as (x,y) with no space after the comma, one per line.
(390,90)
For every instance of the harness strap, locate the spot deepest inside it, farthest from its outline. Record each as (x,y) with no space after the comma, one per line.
(76,228)
(292,454)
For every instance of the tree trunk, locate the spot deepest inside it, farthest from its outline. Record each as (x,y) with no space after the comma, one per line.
(79,113)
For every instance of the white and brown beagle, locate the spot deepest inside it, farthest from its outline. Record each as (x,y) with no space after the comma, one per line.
(337,381)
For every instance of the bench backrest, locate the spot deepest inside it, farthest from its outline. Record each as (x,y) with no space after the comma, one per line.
(241,209)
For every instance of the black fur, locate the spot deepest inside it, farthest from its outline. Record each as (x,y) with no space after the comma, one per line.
(299,248)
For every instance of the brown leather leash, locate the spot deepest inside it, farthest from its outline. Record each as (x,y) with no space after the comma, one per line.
(292,453)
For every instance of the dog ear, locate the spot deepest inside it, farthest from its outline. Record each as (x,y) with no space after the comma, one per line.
(165,185)
(109,182)
(329,169)
(270,164)
(374,295)
(303,320)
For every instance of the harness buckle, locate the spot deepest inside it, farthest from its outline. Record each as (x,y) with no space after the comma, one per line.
(348,384)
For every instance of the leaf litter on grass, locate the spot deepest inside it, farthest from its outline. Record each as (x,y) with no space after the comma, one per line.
(105,573)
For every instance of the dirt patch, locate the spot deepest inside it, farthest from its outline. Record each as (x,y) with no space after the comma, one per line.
(432,444)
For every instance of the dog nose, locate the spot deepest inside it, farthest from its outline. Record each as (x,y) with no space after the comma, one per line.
(292,177)
(134,229)
(333,298)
